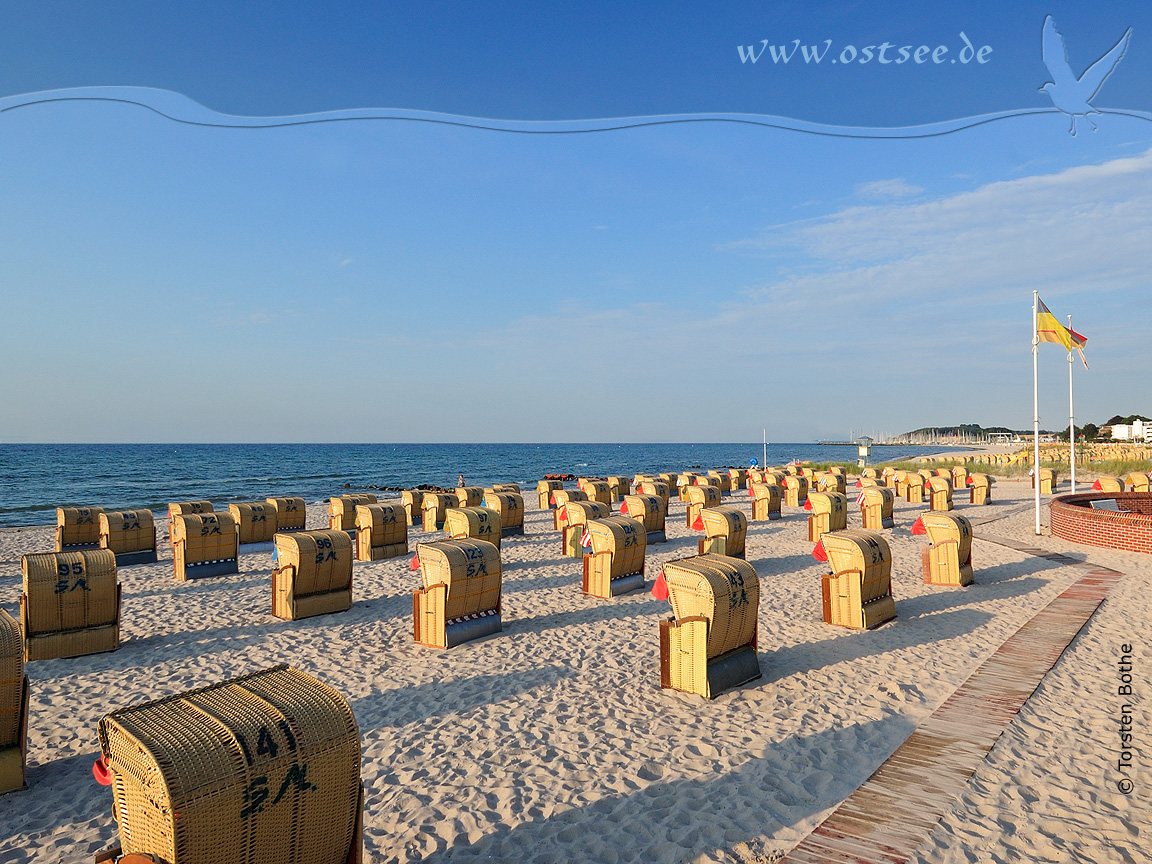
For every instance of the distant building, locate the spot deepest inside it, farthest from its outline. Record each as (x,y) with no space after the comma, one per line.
(1138,430)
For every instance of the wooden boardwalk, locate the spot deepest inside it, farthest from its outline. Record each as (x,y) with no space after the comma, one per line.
(890,816)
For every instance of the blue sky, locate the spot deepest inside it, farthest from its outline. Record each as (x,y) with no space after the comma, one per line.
(401,281)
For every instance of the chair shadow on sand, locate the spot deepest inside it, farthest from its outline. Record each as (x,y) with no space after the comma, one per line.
(678,820)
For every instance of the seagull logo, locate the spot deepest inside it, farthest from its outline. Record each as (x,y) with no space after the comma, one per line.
(1070,94)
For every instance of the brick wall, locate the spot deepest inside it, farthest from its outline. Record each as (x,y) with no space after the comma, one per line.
(1072,518)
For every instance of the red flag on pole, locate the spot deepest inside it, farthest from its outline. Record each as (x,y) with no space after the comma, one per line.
(660,587)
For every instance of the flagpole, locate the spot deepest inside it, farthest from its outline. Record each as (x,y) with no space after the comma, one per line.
(1035,413)
(1071,416)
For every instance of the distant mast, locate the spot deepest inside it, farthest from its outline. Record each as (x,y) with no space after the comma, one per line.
(764,464)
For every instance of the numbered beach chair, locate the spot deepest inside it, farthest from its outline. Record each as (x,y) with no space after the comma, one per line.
(342,511)
(77,528)
(738,478)
(381,531)
(256,521)
(573,517)
(618,487)
(940,494)
(858,592)
(205,545)
(313,574)
(413,501)
(131,535)
(544,490)
(291,513)
(795,490)
(650,510)
(1105,483)
(659,488)
(765,501)
(469,496)
(13,706)
(71,604)
(829,512)
(186,508)
(979,489)
(616,563)
(262,769)
(510,508)
(475,523)
(561,497)
(596,490)
(698,498)
(708,646)
(948,561)
(460,600)
(876,507)
(436,505)
(725,530)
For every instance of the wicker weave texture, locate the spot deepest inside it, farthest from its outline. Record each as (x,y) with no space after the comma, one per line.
(862,578)
(656,487)
(380,526)
(565,496)
(204,537)
(623,540)
(618,487)
(11,680)
(1136,481)
(263,769)
(795,490)
(738,477)
(596,490)
(69,591)
(320,561)
(949,527)
(765,501)
(473,523)
(435,505)
(544,490)
(877,506)
(729,523)
(469,496)
(713,480)
(77,526)
(255,521)
(342,510)
(649,509)
(181,508)
(724,590)
(1107,483)
(509,506)
(470,571)
(291,513)
(127,531)
(514,488)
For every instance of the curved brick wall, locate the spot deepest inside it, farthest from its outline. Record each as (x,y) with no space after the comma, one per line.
(1131,529)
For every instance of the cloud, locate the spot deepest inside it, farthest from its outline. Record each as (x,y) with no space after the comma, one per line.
(1084,229)
(879,190)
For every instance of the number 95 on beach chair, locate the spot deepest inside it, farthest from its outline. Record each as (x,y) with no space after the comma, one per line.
(71,604)
(460,600)
(709,645)
(262,769)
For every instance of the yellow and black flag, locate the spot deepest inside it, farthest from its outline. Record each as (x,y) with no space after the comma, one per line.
(1048,329)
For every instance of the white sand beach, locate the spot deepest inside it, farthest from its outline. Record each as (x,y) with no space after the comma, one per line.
(552,741)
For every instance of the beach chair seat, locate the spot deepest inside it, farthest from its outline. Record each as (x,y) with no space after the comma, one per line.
(313,574)
(829,512)
(71,604)
(77,528)
(381,531)
(510,507)
(858,592)
(876,507)
(291,512)
(698,498)
(131,535)
(14,692)
(948,561)
(205,545)
(650,510)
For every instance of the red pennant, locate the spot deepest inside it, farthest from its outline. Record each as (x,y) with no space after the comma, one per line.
(807,503)
(698,524)
(819,552)
(624,509)
(415,565)
(971,481)
(552,499)
(101,773)
(1097,486)
(859,484)
(660,587)
(752,494)
(918,526)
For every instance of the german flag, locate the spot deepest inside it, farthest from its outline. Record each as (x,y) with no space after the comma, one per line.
(1048,329)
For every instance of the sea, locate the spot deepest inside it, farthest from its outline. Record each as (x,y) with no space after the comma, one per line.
(35,479)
